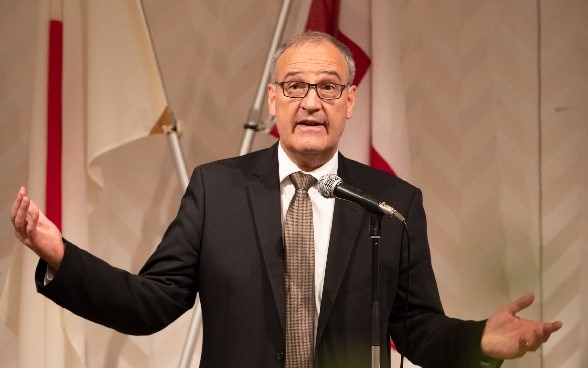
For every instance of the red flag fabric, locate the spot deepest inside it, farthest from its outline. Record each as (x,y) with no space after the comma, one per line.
(54,122)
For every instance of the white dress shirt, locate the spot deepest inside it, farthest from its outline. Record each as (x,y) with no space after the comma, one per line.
(322,215)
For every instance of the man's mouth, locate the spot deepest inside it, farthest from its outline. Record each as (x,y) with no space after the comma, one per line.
(310,123)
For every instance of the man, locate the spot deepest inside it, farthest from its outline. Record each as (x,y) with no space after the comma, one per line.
(240,264)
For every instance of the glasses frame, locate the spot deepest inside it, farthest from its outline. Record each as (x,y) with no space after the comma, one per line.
(312,85)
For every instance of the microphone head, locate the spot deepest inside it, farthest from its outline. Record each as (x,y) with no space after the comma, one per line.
(327,184)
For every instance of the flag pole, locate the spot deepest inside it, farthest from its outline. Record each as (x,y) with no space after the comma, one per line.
(170,125)
(252,125)
(171,131)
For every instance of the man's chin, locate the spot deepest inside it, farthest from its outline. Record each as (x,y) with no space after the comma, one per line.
(311,149)
(316,150)
(305,147)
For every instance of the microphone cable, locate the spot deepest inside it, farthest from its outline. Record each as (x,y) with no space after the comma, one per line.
(406,301)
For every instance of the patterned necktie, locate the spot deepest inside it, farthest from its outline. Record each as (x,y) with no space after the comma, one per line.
(299,275)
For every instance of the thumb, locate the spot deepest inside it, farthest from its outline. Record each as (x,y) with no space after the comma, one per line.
(521,303)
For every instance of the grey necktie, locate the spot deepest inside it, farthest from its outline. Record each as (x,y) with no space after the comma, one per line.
(299,275)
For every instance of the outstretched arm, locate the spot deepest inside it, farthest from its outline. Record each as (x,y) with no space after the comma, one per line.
(35,230)
(508,336)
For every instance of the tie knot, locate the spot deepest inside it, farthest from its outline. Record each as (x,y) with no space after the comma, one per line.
(302,181)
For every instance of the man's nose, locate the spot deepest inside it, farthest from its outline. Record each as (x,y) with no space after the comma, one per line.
(311,101)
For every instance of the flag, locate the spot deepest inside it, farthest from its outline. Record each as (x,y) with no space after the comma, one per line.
(97,87)
(126,99)
(377,133)
(39,324)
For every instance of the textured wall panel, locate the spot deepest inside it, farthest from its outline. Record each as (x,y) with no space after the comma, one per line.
(564,164)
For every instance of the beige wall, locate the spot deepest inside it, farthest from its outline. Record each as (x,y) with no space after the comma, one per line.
(498,120)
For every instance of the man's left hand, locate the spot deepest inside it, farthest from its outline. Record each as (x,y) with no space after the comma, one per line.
(508,336)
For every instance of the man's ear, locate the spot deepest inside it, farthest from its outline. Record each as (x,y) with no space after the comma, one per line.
(271,99)
(350,101)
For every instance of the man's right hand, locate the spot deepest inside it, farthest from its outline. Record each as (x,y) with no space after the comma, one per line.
(35,230)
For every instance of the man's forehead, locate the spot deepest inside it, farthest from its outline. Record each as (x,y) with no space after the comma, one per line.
(322,59)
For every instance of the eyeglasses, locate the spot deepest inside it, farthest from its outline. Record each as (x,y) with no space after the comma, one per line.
(325,91)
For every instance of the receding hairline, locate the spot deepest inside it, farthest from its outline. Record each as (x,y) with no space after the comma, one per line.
(314,38)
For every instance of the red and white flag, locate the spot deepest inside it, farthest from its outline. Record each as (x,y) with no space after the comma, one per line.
(97,87)
(377,133)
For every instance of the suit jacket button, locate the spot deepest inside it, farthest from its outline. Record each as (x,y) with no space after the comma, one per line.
(280,355)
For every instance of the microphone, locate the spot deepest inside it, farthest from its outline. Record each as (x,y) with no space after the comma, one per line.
(331,186)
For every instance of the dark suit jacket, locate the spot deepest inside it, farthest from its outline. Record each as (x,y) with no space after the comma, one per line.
(226,244)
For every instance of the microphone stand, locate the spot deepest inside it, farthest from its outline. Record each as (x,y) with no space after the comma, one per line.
(375,234)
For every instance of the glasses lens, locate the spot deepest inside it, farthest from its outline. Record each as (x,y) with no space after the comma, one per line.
(295,89)
(329,90)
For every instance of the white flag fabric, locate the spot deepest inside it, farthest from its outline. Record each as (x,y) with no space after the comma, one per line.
(126,98)
(41,326)
(389,131)
(97,87)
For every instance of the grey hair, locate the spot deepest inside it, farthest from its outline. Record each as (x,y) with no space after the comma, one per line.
(312,37)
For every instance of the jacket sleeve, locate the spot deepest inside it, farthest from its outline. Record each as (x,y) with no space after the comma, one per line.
(140,304)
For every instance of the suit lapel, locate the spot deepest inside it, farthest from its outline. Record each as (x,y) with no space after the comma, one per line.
(347,218)
(264,191)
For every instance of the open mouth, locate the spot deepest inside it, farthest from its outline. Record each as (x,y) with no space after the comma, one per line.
(310,123)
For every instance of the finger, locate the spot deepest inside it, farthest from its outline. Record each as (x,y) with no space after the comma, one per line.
(555,326)
(32,221)
(16,204)
(521,303)
(550,328)
(20,217)
(542,334)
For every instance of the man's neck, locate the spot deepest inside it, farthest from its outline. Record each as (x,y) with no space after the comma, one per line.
(311,161)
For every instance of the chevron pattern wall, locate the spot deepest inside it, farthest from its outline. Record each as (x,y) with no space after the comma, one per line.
(496,95)
(564,165)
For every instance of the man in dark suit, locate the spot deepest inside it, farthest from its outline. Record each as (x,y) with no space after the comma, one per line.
(227,244)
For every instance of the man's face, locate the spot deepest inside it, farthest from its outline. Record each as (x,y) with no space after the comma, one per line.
(310,127)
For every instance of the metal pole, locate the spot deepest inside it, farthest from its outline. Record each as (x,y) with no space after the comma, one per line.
(193,332)
(375,235)
(174,143)
(195,328)
(255,112)
(171,131)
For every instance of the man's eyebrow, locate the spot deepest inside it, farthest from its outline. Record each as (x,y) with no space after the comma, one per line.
(326,72)
(291,74)
(332,73)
